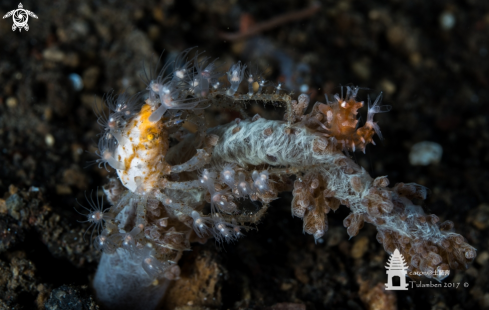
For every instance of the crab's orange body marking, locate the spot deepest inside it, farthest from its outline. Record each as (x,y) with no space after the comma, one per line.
(144,152)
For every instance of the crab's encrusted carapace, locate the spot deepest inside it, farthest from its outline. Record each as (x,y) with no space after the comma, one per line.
(143,151)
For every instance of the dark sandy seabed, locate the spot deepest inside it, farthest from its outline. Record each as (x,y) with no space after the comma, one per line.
(433,73)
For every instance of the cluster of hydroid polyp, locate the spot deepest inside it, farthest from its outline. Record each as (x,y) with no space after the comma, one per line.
(170,195)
